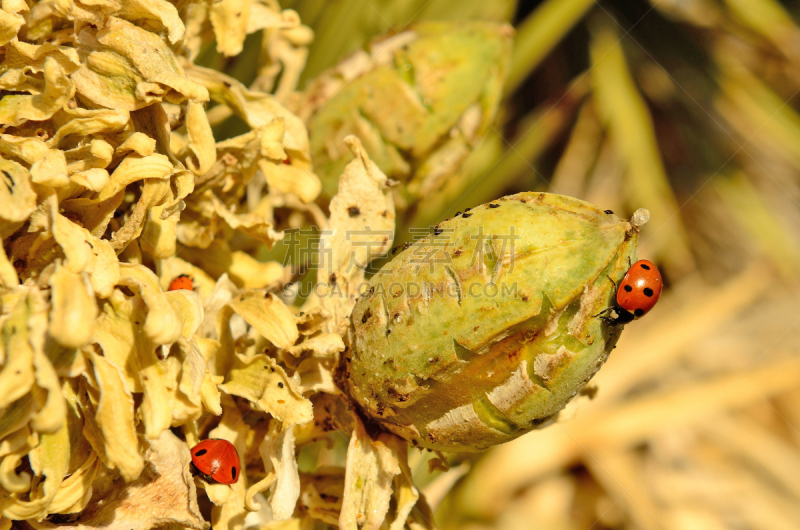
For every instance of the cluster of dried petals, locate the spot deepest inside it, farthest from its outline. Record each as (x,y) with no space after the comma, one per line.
(111,185)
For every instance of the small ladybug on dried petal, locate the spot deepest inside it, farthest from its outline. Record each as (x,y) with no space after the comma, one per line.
(217,459)
(182,281)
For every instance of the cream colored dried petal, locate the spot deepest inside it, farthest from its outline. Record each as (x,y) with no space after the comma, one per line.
(287,484)
(164,494)
(158,235)
(116,421)
(252,224)
(405,493)
(51,170)
(17,375)
(74,309)
(87,123)
(14,449)
(129,66)
(48,460)
(371,467)
(265,16)
(229,20)
(269,315)
(10,23)
(324,345)
(265,483)
(30,58)
(271,136)
(95,179)
(193,371)
(266,384)
(316,375)
(163,324)
(51,413)
(222,293)
(93,11)
(58,89)
(133,168)
(153,192)
(256,108)
(182,410)
(210,394)
(159,10)
(121,338)
(182,88)
(291,179)
(86,252)
(27,149)
(201,139)
(139,143)
(76,490)
(8,276)
(361,229)
(16,192)
(189,308)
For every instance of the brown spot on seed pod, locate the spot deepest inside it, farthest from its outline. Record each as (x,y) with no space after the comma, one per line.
(367,314)
(458,252)
(353,211)
(525,298)
(332,278)
(494,205)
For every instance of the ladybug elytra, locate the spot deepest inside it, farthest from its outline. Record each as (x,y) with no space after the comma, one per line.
(182,281)
(217,459)
(637,293)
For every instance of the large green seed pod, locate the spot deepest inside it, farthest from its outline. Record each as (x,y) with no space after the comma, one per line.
(420,102)
(485,329)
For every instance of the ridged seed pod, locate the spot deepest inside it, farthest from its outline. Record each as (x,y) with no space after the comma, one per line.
(486,328)
(420,103)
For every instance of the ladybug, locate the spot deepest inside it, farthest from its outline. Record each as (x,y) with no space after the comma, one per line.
(182,281)
(637,293)
(217,459)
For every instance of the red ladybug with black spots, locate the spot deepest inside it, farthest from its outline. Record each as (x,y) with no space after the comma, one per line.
(637,293)
(182,281)
(217,459)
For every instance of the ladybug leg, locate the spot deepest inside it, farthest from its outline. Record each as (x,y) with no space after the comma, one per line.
(604,312)
(612,281)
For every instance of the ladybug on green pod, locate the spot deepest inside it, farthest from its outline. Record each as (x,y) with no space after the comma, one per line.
(217,459)
(637,293)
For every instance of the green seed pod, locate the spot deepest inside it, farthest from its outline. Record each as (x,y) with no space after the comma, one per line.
(486,328)
(419,103)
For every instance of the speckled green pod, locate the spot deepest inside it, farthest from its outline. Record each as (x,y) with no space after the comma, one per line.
(419,103)
(463,353)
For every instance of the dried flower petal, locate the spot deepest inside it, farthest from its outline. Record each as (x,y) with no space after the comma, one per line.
(269,315)
(74,309)
(266,385)
(17,109)
(287,483)
(371,467)
(115,418)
